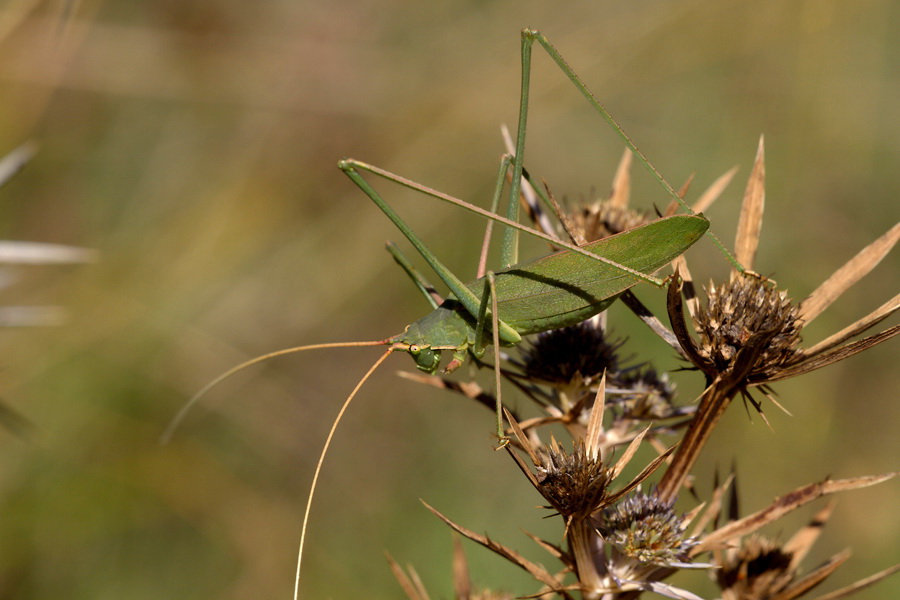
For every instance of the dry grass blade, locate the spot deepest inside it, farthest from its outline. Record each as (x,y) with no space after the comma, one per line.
(462,582)
(854,329)
(523,440)
(750,222)
(801,586)
(783,505)
(628,455)
(801,542)
(640,477)
(713,192)
(594,435)
(13,162)
(37,253)
(714,506)
(411,584)
(535,570)
(861,584)
(844,278)
(620,194)
(826,358)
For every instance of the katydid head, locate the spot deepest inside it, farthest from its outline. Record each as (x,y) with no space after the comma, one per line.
(447,327)
(427,359)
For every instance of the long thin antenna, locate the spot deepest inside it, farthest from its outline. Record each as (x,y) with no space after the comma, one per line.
(315,479)
(176,421)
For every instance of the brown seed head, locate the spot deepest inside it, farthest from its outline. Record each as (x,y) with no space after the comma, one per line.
(646,529)
(643,394)
(574,484)
(604,218)
(759,569)
(741,313)
(561,355)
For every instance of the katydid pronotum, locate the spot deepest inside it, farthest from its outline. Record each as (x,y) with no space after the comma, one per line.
(519,299)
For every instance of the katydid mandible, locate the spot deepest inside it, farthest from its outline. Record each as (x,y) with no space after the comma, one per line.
(520,298)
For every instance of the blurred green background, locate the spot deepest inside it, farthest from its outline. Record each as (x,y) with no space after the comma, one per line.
(193,143)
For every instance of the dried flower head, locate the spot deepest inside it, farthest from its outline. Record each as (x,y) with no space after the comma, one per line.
(580,352)
(642,394)
(751,567)
(759,569)
(749,331)
(645,528)
(573,483)
(603,218)
(738,311)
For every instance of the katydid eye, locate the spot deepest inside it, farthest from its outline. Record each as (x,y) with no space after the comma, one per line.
(414,349)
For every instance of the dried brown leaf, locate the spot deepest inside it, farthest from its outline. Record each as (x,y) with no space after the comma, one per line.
(783,505)
(861,584)
(551,549)
(469,389)
(750,222)
(523,439)
(844,278)
(854,329)
(594,434)
(714,507)
(674,205)
(629,453)
(620,194)
(801,586)
(640,477)
(462,583)
(411,584)
(802,541)
(675,309)
(826,358)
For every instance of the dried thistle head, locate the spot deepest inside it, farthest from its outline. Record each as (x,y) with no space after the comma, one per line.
(759,569)
(589,222)
(603,218)
(752,567)
(642,394)
(749,327)
(576,483)
(749,331)
(750,312)
(645,529)
(581,352)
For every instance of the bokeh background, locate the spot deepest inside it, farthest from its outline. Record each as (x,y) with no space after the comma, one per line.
(193,143)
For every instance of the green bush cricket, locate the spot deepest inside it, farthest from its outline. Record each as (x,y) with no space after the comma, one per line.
(521,298)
